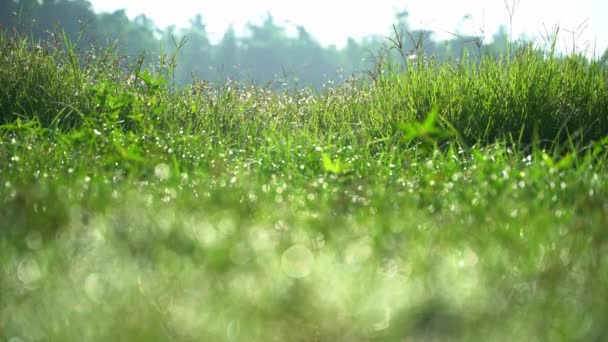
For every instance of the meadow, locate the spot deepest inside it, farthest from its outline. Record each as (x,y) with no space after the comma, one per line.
(442,201)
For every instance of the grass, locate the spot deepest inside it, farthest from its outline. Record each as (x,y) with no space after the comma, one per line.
(445,201)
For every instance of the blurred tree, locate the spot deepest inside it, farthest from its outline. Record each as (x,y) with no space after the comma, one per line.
(401,23)
(8,12)
(71,16)
(354,55)
(135,37)
(141,35)
(264,50)
(23,16)
(420,41)
(500,41)
(267,53)
(228,54)
(112,24)
(461,45)
(195,57)
(307,61)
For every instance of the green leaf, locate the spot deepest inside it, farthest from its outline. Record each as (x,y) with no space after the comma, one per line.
(335,167)
(565,162)
(548,160)
(426,130)
(429,123)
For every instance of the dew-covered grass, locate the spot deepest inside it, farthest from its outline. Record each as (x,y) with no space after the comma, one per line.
(444,201)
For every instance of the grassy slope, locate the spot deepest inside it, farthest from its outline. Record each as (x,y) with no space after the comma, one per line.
(448,201)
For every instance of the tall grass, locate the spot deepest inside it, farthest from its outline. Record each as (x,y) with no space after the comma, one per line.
(444,201)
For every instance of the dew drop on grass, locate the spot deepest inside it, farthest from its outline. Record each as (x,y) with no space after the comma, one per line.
(207,235)
(359,251)
(468,259)
(384,321)
(260,240)
(297,261)
(28,271)
(162,171)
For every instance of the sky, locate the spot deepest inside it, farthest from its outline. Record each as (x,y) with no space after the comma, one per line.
(333,21)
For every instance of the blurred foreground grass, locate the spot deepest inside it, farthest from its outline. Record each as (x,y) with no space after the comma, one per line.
(454,201)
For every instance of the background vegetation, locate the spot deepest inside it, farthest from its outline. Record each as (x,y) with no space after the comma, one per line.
(268,54)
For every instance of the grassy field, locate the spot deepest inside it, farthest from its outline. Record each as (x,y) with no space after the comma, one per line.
(442,202)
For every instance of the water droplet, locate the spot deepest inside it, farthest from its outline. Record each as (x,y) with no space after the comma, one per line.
(261,240)
(162,171)
(28,271)
(469,258)
(359,251)
(297,261)
(385,321)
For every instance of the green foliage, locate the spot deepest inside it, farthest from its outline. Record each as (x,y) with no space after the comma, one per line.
(530,97)
(446,201)
(336,167)
(426,131)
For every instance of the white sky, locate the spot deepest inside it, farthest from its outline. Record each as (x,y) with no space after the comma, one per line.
(332,21)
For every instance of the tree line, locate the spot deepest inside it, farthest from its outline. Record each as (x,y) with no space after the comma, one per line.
(267,54)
